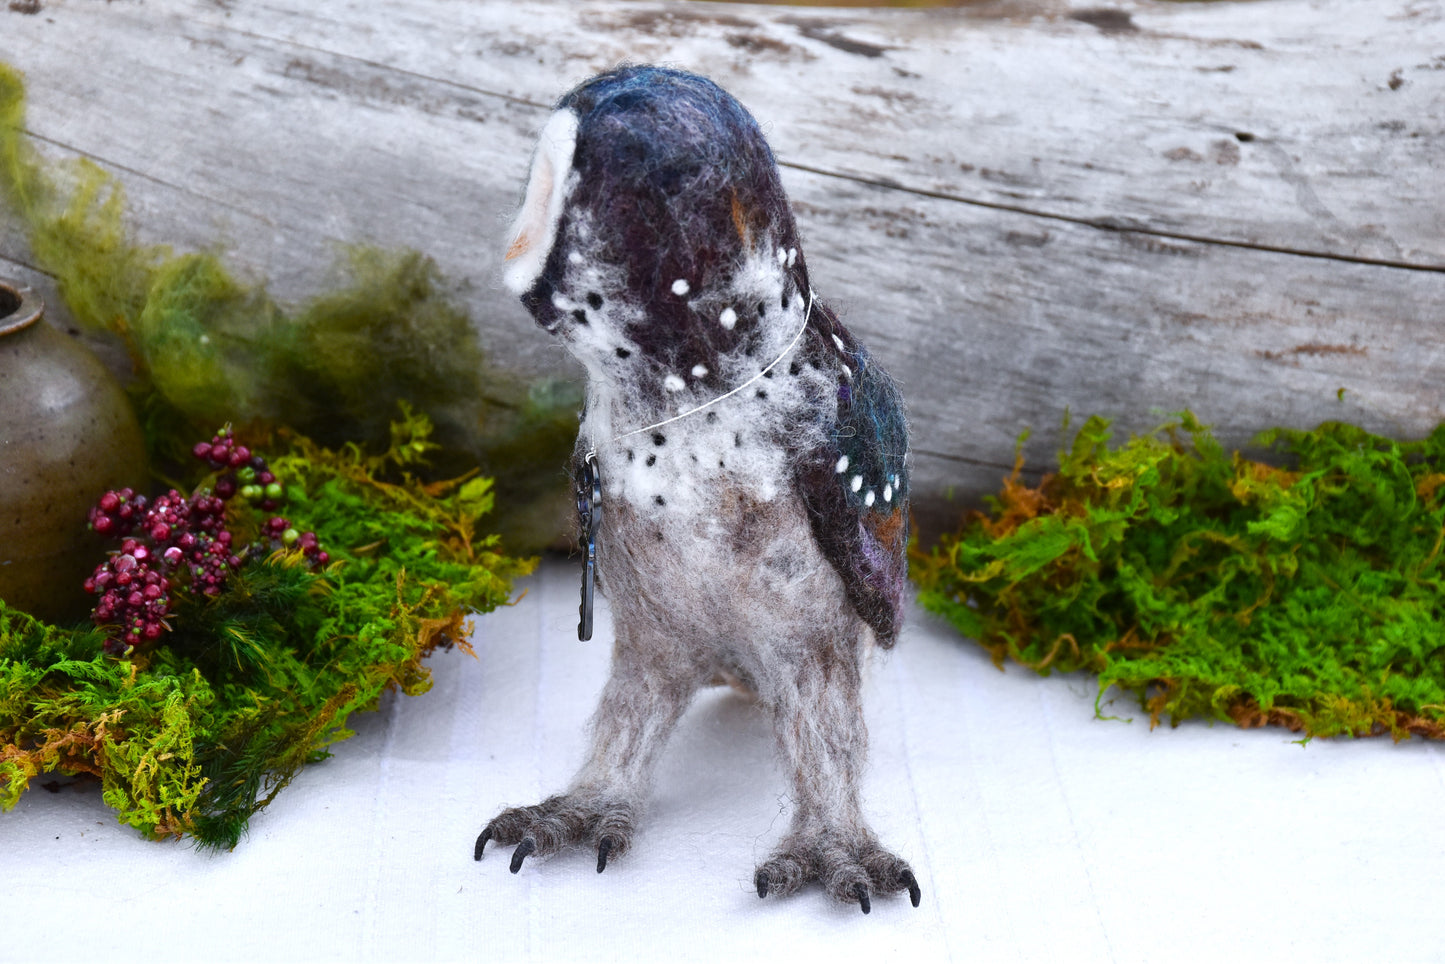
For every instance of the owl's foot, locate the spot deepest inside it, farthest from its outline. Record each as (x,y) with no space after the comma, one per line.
(561,822)
(852,870)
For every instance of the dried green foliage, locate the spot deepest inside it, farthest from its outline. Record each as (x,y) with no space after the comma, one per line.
(198,735)
(207,348)
(1311,597)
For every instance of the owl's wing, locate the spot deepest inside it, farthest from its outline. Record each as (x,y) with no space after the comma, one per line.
(855,488)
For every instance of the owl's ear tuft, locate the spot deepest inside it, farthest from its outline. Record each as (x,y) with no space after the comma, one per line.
(535,228)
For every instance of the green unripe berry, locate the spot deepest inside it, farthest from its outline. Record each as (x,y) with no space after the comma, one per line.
(251,493)
(247,474)
(275,491)
(290,536)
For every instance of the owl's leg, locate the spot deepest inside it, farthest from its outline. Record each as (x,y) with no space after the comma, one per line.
(818,716)
(637,712)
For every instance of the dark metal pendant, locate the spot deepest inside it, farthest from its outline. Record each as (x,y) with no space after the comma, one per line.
(589,514)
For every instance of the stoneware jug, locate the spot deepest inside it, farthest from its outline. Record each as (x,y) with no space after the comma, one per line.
(67,434)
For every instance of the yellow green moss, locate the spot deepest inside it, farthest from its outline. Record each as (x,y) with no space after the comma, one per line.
(1310,596)
(197,735)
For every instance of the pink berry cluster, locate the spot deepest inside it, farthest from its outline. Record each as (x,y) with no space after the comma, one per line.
(118,513)
(246,474)
(278,530)
(134,597)
(180,542)
(170,540)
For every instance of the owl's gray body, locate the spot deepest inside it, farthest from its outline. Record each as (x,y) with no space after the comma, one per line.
(757,538)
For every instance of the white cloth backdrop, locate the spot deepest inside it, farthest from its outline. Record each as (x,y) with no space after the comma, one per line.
(1038,833)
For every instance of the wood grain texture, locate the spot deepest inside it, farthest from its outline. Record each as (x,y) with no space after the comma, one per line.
(1021,206)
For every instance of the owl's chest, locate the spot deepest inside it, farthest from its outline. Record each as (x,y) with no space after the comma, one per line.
(697,516)
(717,573)
(692,470)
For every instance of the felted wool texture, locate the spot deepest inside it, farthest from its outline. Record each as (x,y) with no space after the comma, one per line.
(674,274)
(759,539)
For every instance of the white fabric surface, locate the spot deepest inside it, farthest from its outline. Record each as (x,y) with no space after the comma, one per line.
(1038,833)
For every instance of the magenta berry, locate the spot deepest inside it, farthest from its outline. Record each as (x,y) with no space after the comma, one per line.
(182,543)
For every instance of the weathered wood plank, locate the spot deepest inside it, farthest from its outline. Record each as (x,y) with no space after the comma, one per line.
(1128,118)
(1019,214)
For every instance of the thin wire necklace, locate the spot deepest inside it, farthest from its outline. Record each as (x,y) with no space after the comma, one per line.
(592,452)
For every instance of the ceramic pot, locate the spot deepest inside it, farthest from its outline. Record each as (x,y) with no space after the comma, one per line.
(67,434)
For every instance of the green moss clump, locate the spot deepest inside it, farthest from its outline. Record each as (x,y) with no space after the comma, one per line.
(208,349)
(194,737)
(1311,597)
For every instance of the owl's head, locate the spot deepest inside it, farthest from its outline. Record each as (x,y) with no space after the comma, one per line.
(655,237)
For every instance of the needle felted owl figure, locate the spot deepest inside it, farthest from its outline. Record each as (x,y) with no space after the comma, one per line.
(752,458)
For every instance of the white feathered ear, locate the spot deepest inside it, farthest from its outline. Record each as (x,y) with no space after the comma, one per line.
(536,226)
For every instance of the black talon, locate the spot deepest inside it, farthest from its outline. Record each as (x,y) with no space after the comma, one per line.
(604,847)
(527,846)
(481,843)
(761,880)
(862,891)
(915,893)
